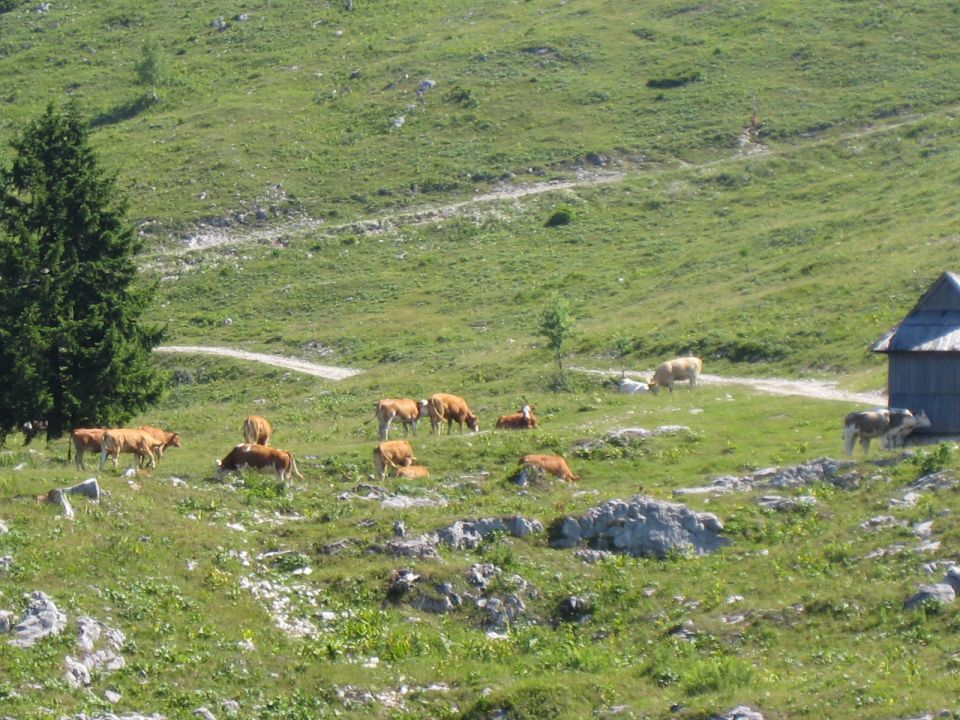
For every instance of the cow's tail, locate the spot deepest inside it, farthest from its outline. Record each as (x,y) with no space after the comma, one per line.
(293,466)
(849,437)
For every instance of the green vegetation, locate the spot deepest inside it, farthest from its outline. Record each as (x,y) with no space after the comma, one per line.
(326,228)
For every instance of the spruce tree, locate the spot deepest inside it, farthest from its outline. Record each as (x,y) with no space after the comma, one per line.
(74,349)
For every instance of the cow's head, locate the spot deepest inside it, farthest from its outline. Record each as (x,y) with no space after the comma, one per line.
(653,386)
(472,422)
(174,440)
(922,420)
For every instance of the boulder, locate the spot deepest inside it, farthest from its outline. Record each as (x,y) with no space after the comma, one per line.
(942,593)
(642,526)
(42,618)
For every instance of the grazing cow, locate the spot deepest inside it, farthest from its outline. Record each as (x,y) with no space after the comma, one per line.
(522,420)
(891,426)
(411,472)
(32,428)
(405,410)
(123,440)
(553,464)
(164,439)
(393,454)
(260,458)
(256,430)
(687,368)
(443,407)
(85,440)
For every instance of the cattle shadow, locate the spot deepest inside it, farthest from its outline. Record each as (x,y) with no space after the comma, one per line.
(125,111)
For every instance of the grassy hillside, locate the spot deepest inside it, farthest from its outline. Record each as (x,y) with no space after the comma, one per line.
(785,251)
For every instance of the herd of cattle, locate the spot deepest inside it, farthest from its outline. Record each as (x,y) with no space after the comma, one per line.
(148,443)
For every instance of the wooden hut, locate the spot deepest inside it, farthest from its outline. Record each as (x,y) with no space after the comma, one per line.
(923,353)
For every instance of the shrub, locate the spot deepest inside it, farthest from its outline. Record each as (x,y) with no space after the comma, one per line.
(563,215)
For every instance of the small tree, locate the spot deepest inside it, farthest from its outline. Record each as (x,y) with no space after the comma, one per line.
(72,346)
(556,325)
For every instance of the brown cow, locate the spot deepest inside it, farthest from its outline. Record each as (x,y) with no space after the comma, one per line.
(256,430)
(85,440)
(392,453)
(522,420)
(686,368)
(164,439)
(124,440)
(553,464)
(405,410)
(450,407)
(411,472)
(260,458)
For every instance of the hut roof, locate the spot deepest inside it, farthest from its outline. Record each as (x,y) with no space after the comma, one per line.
(934,323)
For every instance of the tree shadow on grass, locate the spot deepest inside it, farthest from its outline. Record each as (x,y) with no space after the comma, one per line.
(125,111)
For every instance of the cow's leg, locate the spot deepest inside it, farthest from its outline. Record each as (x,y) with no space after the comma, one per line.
(849,439)
(381,469)
(865,443)
(384,429)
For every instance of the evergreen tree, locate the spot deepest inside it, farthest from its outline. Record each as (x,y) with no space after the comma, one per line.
(73,349)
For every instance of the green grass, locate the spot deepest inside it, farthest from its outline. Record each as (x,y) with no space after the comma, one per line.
(790,262)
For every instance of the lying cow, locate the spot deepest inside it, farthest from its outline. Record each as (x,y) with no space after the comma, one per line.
(85,440)
(260,458)
(392,454)
(524,419)
(411,472)
(553,464)
(444,407)
(124,440)
(630,387)
(405,410)
(256,430)
(891,426)
(668,373)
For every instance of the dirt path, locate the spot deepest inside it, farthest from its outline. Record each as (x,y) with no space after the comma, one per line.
(816,389)
(325,371)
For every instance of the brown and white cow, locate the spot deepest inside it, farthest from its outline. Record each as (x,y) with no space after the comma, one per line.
(257,430)
(260,458)
(124,440)
(85,440)
(411,472)
(445,407)
(405,410)
(522,420)
(164,439)
(392,454)
(553,464)
(666,374)
(891,426)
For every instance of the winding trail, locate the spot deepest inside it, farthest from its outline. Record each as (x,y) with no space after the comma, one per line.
(325,371)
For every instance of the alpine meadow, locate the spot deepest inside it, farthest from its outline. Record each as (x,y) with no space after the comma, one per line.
(517,202)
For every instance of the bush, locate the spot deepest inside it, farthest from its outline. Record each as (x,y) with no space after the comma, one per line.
(563,215)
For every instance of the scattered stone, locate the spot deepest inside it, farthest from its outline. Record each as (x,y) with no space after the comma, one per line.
(3,528)
(575,608)
(440,599)
(501,612)
(741,712)
(42,618)
(908,500)
(782,504)
(643,526)
(942,593)
(106,659)
(6,562)
(937,481)
(880,521)
(952,578)
(5,621)
(480,574)
(424,86)
(202,712)
(112,696)
(401,583)
(219,24)
(470,533)
(423,547)
(335,548)
(592,556)
(684,631)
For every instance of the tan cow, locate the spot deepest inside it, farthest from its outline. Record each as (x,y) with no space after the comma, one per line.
(552,464)
(405,410)
(164,439)
(125,440)
(256,430)
(522,420)
(686,368)
(444,407)
(85,440)
(392,454)
(411,472)
(260,458)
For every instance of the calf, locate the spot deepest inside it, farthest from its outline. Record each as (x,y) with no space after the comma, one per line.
(405,410)
(260,458)
(686,368)
(411,472)
(522,420)
(163,438)
(552,464)
(122,440)
(85,440)
(444,407)
(392,454)
(626,385)
(891,426)
(256,430)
